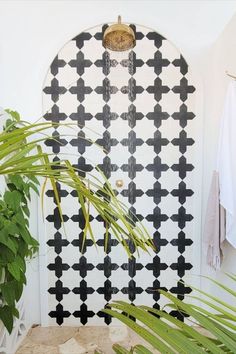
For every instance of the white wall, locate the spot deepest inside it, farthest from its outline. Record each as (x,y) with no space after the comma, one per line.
(32,32)
(222,58)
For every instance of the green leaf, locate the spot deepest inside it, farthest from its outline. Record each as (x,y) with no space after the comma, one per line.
(15,115)
(26,210)
(140,349)
(19,289)
(6,315)
(8,292)
(21,263)
(118,349)
(34,187)
(12,229)
(6,255)
(8,241)
(33,179)
(14,270)
(13,199)
(17,180)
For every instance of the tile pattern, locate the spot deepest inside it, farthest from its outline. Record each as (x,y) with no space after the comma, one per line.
(139,106)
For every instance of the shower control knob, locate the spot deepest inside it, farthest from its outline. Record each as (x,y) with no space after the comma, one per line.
(119,183)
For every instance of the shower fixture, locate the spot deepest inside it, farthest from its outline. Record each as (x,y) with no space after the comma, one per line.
(119,37)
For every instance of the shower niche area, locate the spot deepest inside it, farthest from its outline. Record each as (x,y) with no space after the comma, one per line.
(140,106)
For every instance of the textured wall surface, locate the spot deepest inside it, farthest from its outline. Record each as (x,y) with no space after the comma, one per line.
(140,106)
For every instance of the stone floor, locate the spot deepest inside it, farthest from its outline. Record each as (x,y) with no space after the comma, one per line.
(74,340)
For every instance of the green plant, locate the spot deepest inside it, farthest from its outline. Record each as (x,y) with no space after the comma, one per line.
(16,244)
(22,154)
(23,162)
(167,334)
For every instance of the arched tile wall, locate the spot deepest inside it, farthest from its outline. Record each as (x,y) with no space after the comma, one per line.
(140,106)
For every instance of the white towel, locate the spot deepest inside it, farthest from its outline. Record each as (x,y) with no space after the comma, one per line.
(226,162)
(214,230)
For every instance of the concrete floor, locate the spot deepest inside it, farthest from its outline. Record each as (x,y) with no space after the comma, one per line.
(74,340)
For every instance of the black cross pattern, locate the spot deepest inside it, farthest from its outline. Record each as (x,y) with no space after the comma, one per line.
(82,167)
(154,290)
(55,115)
(157,192)
(80,63)
(182,167)
(181,242)
(133,216)
(107,167)
(132,193)
(59,314)
(132,290)
(55,90)
(183,89)
(107,142)
(62,193)
(81,142)
(180,290)
(157,217)
(157,142)
(132,167)
(80,90)
(58,290)
(138,35)
(107,290)
(56,64)
(132,142)
(107,318)
(132,266)
(84,314)
(81,38)
(56,142)
(157,116)
(159,241)
(58,266)
(80,116)
(107,243)
(107,266)
(83,267)
(183,116)
(158,63)
(158,89)
(182,192)
(99,35)
(80,219)
(183,141)
(106,63)
(181,63)
(156,266)
(82,242)
(156,37)
(106,90)
(157,167)
(132,63)
(106,116)
(181,218)
(132,89)
(58,242)
(131,116)
(181,266)
(83,290)
(56,218)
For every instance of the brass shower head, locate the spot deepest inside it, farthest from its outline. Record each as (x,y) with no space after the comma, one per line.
(119,37)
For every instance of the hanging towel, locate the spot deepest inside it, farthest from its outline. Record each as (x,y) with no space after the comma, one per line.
(226,162)
(214,231)
(220,222)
